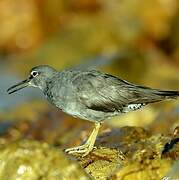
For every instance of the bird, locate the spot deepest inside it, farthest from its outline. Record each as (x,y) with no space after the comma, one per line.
(90,95)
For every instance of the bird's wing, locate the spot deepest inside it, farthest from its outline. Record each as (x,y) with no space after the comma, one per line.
(104,92)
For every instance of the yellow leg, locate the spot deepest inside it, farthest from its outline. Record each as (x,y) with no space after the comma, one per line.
(88,146)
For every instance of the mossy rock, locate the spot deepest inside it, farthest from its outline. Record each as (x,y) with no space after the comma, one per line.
(153,169)
(27,159)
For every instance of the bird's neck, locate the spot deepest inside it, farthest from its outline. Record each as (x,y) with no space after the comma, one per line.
(46,85)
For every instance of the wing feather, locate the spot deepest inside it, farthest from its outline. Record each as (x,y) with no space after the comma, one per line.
(107,93)
(103,92)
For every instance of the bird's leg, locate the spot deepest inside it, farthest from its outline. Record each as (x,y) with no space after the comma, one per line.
(88,146)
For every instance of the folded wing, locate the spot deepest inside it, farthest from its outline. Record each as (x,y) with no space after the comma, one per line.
(104,92)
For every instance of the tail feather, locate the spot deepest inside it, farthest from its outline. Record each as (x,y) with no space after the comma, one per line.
(155,95)
(168,94)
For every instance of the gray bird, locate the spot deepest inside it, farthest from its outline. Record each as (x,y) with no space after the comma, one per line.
(90,95)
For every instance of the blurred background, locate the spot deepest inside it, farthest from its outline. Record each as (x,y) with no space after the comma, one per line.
(133,39)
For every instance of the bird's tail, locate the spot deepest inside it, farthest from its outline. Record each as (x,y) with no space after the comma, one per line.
(167,94)
(154,95)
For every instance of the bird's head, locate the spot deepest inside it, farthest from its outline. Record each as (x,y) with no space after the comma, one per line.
(38,77)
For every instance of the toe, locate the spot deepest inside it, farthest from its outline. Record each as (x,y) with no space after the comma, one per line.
(84,149)
(86,153)
(81,151)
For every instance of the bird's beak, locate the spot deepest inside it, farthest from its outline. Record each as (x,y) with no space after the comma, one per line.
(18,86)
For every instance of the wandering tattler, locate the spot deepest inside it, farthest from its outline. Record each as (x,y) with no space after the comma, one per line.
(90,95)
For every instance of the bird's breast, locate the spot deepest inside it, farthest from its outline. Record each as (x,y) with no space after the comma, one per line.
(63,98)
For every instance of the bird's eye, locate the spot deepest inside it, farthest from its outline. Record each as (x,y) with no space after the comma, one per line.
(34,73)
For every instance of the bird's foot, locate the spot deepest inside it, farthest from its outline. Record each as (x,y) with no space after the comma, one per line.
(84,149)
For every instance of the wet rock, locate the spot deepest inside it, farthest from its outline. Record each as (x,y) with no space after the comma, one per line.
(27,159)
(171,148)
(144,160)
(127,152)
(102,162)
(122,138)
(154,169)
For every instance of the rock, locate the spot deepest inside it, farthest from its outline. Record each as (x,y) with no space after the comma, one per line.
(28,159)
(173,172)
(127,153)
(153,169)
(120,153)
(102,162)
